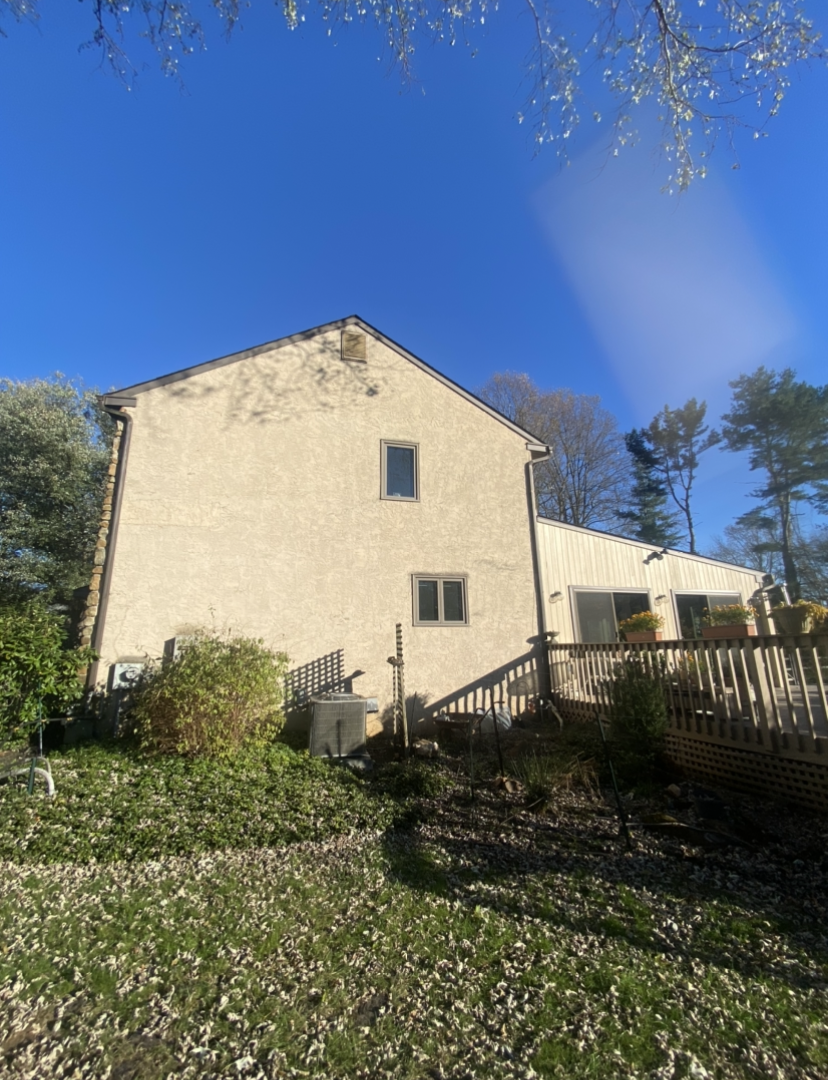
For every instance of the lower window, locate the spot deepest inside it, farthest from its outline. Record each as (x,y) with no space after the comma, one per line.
(440,601)
(692,607)
(599,613)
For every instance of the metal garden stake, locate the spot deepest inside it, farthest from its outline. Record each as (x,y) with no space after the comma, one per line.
(621,813)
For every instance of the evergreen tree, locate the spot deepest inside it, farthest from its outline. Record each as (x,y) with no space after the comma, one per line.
(783,424)
(678,436)
(649,516)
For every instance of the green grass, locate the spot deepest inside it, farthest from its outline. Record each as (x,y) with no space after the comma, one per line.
(292,942)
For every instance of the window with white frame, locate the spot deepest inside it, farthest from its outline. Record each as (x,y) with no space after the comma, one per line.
(598,611)
(440,600)
(691,609)
(400,471)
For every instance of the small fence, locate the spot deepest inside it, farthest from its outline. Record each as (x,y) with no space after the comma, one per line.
(515,683)
(761,695)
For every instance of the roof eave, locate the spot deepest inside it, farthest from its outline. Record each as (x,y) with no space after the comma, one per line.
(130,393)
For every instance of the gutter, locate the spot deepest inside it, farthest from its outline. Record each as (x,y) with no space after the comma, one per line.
(113,404)
(544,453)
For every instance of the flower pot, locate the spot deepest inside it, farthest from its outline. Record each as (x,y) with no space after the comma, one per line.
(734,630)
(791,621)
(635,636)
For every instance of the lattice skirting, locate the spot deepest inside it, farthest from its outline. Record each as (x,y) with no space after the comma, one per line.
(804,783)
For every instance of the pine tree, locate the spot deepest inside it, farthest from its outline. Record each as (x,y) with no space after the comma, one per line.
(678,436)
(783,424)
(649,516)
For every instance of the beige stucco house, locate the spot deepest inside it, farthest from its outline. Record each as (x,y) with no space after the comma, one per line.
(318,490)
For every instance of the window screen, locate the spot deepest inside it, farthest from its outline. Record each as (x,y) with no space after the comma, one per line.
(596,619)
(440,601)
(399,471)
(454,609)
(428,601)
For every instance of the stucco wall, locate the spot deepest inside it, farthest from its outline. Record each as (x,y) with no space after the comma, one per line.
(252,502)
(572,557)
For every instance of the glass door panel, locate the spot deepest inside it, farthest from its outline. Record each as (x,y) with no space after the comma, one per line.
(596,618)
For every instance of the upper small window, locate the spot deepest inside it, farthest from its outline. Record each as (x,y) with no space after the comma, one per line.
(400,472)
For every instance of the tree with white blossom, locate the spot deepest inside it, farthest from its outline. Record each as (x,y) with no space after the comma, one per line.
(709,67)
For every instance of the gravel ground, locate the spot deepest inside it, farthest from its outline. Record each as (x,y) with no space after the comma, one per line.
(483,941)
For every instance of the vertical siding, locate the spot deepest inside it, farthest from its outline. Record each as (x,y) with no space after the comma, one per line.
(572,557)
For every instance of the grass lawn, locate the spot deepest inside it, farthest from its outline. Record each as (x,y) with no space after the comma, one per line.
(285,919)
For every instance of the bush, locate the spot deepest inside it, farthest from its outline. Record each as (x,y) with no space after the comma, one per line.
(37,671)
(221,695)
(638,711)
(410,780)
(543,774)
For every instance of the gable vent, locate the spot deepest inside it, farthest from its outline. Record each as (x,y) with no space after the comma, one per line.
(354,345)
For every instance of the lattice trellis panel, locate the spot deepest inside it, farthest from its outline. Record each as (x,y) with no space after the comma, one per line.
(804,783)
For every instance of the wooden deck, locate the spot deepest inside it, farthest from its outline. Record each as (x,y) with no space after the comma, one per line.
(768,693)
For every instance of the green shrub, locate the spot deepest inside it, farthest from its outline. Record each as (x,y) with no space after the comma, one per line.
(638,712)
(36,668)
(221,695)
(410,780)
(543,774)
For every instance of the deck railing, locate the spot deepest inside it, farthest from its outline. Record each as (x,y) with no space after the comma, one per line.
(766,694)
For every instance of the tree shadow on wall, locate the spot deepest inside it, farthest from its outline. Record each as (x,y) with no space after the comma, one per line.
(271,384)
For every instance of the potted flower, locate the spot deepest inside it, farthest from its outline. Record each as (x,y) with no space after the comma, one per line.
(643,626)
(729,621)
(691,668)
(799,618)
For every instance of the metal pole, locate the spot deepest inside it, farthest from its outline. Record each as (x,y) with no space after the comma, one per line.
(621,813)
(30,784)
(40,726)
(401,688)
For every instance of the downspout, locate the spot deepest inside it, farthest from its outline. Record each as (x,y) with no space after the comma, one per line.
(539,583)
(108,532)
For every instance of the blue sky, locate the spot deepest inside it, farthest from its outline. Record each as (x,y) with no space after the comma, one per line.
(296,181)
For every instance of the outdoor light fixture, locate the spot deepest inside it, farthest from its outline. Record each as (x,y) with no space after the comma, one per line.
(656,555)
(661,599)
(555,596)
